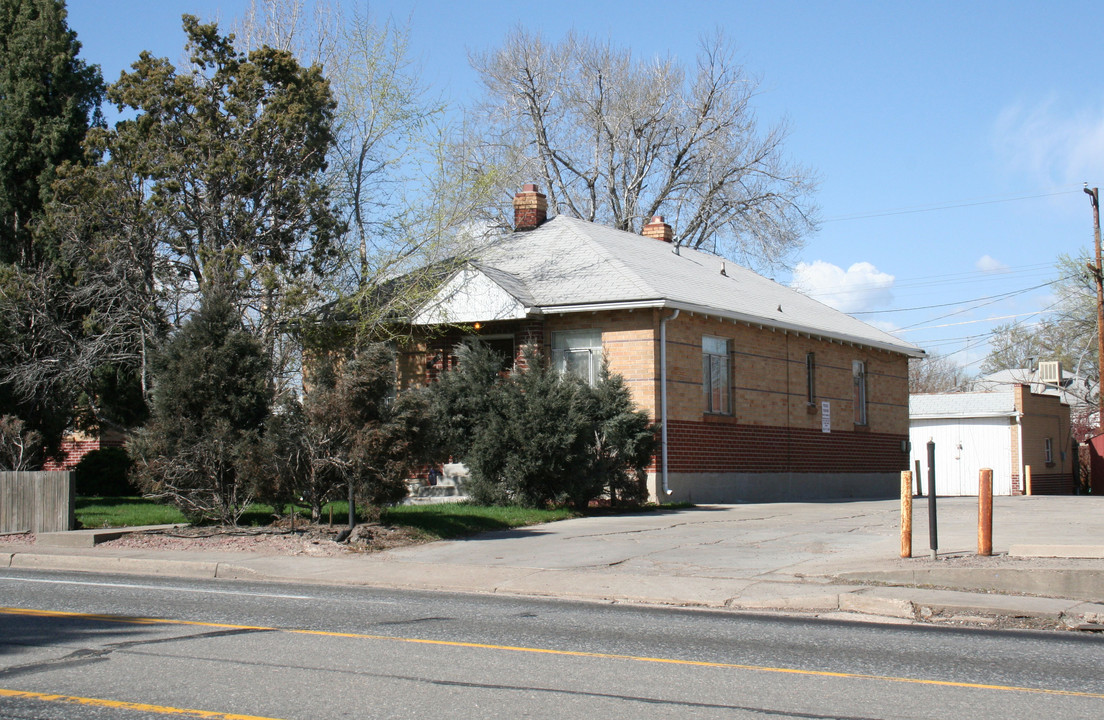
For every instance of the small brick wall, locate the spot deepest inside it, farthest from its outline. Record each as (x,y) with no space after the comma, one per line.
(1053,484)
(73,450)
(705,447)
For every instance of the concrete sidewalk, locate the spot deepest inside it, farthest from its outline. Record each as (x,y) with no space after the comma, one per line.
(823,558)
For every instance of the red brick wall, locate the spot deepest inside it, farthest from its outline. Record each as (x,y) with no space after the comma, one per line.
(1053,484)
(1096,464)
(73,449)
(701,447)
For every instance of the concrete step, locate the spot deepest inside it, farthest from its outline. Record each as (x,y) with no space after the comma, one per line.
(435,500)
(427,491)
(93,536)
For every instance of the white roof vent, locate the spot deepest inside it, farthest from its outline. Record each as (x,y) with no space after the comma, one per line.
(1050,372)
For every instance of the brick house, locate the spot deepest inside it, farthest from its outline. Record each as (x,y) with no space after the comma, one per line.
(75,445)
(767,394)
(994,429)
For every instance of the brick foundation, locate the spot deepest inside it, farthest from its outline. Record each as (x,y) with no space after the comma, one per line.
(1054,484)
(708,447)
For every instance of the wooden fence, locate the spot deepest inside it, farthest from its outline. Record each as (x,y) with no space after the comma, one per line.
(37,501)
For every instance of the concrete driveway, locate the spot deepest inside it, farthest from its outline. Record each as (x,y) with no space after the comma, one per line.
(761,552)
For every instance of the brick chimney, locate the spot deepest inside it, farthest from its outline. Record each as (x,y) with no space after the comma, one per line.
(530,208)
(659,230)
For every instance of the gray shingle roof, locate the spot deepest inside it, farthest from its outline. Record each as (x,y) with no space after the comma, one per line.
(996,403)
(568,265)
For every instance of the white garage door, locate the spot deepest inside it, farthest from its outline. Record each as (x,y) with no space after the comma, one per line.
(962,449)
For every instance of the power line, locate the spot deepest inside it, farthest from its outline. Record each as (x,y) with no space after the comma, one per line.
(946,206)
(975,307)
(1001,296)
(966,322)
(967,338)
(991,333)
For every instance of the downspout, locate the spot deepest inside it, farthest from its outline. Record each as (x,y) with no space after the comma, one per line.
(663,395)
(1020,457)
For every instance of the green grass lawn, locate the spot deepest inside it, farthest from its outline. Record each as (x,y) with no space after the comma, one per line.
(452,520)
(97,512)
(436,522)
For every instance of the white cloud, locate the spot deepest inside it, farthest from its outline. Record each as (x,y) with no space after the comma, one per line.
(1059,146)
(861,287)
(989,264)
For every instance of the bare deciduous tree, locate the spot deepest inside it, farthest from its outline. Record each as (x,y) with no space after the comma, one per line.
(403,202)
(616,140)
(20,448)
(935,374)
(1067,333)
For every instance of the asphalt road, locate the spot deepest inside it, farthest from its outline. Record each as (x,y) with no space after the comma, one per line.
(88,646)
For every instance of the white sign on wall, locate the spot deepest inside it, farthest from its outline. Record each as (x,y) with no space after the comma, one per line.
(825,416)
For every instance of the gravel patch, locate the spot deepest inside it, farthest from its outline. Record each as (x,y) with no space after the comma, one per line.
(306,540)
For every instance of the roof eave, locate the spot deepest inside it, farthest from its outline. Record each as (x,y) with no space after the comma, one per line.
(751,320)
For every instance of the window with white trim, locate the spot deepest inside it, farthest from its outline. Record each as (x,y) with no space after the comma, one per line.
(579,353)
(858,378)
(715,374)
(1048,450)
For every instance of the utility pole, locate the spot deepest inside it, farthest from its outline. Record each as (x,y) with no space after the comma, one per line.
(1098,272)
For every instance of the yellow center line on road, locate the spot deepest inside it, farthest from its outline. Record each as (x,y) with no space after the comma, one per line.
(550,651)
(123,705)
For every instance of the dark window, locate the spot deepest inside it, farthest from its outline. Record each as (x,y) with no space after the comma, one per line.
(810,378)
(858,377)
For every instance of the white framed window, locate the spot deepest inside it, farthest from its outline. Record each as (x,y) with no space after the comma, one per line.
(1048,450)
(715,374)
(579,353)
(858,378)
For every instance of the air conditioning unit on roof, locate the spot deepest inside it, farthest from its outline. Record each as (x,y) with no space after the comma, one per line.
(1050,372)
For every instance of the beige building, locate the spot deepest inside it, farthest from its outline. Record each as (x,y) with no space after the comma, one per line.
(761,393)
(1011,430)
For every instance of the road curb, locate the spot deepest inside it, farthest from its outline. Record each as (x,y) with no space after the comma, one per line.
(232,571)
(872,604)
(1062,583)
(896,602)
(129,566)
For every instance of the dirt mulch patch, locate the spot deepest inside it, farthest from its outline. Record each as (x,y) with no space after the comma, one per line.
(278,539)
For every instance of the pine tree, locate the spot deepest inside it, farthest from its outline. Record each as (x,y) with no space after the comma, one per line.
(48,99)
(538,437)
(349,428)
(210,402)
(624,442)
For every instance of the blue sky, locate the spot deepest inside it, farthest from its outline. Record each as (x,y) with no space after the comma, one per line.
(951,138)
